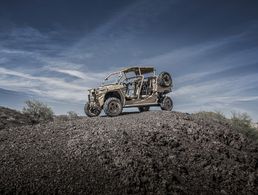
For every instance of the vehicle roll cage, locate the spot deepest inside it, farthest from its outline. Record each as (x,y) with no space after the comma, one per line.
(139,71)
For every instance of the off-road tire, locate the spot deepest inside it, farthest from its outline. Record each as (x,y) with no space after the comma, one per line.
(165,79)
(91,112)
(144,108)
(112,107)
(166,104)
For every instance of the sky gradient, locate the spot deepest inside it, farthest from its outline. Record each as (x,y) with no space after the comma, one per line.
(55,50)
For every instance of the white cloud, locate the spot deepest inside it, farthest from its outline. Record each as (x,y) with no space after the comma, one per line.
(225,94)
(79,74)
(27,33)
(231,86)
(191,77)
(27,76)
(5,71)
(15,51)
(50,87)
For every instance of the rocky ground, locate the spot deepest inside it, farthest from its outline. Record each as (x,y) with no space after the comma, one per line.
(155,152)
(11,118)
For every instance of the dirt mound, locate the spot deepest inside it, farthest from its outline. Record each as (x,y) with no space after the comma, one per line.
(141,153)
(10,118)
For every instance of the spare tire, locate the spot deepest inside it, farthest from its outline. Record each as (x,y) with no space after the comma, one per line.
(165,79)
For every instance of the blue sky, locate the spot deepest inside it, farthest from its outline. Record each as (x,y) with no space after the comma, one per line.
(55,50)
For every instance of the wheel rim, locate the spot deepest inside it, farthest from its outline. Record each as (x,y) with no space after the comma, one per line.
(166,79)
(114,107)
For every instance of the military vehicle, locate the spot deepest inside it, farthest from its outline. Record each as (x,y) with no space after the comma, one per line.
(131,87)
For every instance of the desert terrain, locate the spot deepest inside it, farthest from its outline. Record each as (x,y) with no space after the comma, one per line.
(155,152)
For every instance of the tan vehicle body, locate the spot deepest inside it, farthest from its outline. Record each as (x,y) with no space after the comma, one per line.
(138,90)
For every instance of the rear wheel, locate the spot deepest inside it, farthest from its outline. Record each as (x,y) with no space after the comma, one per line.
(91,111)
(166,103)
(112,107)
(144,108)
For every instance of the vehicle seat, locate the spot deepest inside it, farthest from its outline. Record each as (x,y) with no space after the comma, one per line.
(133,88)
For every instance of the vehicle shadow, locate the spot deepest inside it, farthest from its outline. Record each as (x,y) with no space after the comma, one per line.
(123,113)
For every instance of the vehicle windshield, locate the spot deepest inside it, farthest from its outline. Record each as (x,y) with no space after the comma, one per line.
(130,74)
(113,78)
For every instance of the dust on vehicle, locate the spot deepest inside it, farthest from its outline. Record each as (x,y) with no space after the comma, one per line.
(131,87)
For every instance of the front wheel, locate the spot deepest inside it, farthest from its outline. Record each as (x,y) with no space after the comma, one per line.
(166,103)
(91,111)
(112,107)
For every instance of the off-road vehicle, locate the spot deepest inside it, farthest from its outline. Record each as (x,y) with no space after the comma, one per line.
(130,87)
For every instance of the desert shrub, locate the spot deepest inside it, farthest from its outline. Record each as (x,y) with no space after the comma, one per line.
(217,115)
(67,117)
(62,118)
(243,123)
(72,115)
(38,111)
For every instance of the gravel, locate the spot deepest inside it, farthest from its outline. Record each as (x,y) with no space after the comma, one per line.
(154,152)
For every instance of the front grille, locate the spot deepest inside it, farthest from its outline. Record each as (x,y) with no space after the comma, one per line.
(92,96)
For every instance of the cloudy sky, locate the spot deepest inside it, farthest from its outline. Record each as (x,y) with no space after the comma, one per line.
(54,50)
